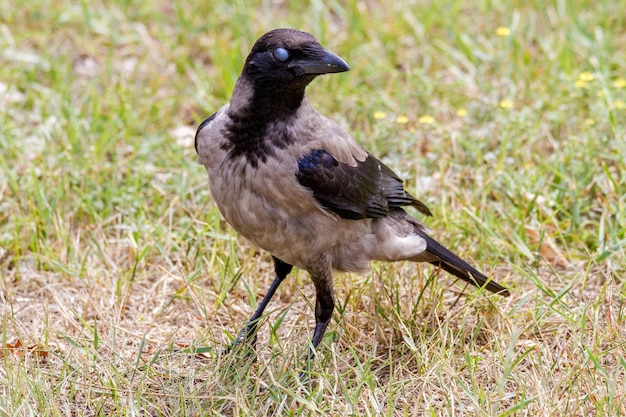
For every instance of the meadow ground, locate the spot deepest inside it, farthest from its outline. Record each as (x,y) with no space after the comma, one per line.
(120,284)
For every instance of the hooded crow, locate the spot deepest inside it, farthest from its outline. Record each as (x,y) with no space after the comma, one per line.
(295,184)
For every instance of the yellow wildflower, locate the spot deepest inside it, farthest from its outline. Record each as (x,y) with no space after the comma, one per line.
(619,83)
(426,119)
(503,31)
(379,115)
(590,122)
(619,104)
(461,112)
(402,120)
(580,84)
(506,104)
(586,76)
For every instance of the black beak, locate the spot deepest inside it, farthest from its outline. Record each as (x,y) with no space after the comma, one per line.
(329,63)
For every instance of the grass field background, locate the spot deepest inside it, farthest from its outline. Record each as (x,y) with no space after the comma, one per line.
(507,118)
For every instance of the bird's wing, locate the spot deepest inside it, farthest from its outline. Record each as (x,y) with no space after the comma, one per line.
(367,189)
(202,126)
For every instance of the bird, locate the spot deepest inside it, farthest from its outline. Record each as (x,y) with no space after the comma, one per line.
(295,184)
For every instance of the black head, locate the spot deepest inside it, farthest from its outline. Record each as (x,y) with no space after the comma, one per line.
(271,89)
(289,59)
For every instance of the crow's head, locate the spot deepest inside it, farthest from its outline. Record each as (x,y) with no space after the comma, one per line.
(288,59)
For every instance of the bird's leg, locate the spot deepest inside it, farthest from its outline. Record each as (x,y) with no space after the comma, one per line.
(324,306)
(281,269)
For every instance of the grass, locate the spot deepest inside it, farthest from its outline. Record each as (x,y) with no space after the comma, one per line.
(507,118)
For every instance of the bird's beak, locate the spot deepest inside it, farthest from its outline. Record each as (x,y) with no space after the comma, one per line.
(329,63)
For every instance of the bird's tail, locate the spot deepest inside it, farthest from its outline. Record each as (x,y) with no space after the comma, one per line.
(456,266)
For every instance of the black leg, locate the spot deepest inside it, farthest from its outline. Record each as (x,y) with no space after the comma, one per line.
(324,306)
(281,269)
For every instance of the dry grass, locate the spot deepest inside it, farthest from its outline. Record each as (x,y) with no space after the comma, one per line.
(121,284)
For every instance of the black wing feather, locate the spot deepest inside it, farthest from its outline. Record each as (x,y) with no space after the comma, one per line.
(368,190)
(456,266)
(202,125)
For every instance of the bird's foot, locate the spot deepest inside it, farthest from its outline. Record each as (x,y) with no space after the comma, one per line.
(247,338)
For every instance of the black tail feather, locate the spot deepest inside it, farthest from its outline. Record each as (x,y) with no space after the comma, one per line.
(456,266)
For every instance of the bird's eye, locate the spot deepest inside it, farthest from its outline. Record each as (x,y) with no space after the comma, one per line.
(281,54)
